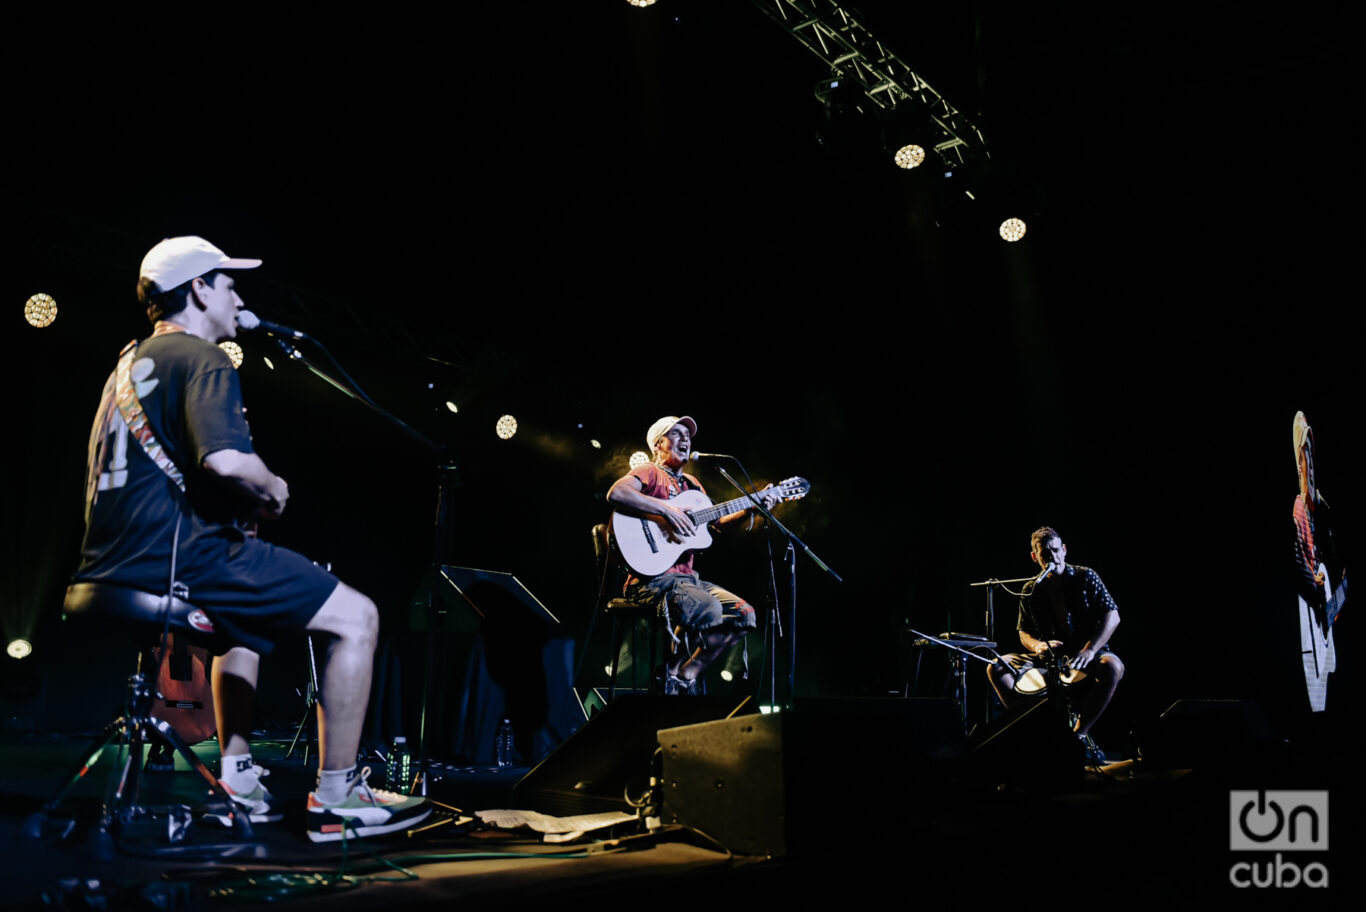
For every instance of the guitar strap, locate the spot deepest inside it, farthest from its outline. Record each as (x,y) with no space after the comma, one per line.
(126,395)
(130,407)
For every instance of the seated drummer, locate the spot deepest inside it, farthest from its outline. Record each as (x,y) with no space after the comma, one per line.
(1068,612)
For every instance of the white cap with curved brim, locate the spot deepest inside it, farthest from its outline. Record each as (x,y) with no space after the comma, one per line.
(1300,431)
(661,427)
(177,260)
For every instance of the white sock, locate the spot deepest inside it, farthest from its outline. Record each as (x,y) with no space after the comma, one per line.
(238,773)
(334,785)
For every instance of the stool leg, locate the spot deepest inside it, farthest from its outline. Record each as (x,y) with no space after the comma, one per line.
(635,655)
(101,838)
(33,826)
(652,632)
(241,821)
(616,653)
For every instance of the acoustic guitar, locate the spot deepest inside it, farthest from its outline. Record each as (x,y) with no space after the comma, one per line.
(186,695)
(645,543)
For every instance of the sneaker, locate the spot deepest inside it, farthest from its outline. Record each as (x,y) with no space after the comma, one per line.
(1094,755)
(257,803)
(675,686)
(365,812)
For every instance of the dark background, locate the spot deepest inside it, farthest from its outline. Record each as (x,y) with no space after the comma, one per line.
(588,216)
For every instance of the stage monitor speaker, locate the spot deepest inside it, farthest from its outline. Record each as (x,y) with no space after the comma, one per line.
(612,753)
(1030,743)
(1195,733)
(778,784)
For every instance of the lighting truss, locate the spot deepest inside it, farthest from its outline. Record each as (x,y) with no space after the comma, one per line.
(850,50)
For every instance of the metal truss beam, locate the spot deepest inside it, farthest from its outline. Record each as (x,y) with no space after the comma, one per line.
(850,50)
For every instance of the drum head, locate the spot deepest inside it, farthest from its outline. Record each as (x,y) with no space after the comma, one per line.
(1072,676)
(1031,682)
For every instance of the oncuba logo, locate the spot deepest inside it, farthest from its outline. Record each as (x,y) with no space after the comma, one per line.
(1269,820)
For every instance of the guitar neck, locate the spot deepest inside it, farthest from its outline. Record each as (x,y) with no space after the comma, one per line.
(716,511)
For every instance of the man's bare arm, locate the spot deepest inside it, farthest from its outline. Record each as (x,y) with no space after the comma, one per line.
(1088,652)
(247,474)
(768,497)
(628,496)
(1036,645)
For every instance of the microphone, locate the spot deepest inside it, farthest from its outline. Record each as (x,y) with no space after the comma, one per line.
(695,456)
(249,322)
(1039,579)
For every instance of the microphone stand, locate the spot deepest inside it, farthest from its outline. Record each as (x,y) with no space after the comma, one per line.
(990,586)
(962,646)
(793,542)
(441,527)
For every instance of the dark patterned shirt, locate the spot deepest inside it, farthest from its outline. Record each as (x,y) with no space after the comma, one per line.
(1069,607)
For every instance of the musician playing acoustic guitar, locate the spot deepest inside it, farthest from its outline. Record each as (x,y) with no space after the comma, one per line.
(1319,603)
(709,618)
(170,457)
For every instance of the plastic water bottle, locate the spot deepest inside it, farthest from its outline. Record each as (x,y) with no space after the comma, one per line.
(399,769)
(505,747)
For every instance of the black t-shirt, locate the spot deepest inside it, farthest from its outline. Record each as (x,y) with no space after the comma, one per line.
(193,402)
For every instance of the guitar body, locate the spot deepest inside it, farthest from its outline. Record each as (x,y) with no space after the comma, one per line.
(186,693)
(1316,641)
(644,541)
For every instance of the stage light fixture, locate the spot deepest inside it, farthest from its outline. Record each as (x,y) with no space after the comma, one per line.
(269,363)
(1012,229)
(234,352)
(19,649)
(595,444)
(40,310)
(726,675)
(639,458)
(452,407)
(506,427)
(641,3)
(910,156)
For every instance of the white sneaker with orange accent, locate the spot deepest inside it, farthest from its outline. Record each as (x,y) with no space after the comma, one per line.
(258,804)
(365,811)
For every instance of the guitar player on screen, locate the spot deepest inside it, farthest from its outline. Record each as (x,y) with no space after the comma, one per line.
(706,618)
(1319,602)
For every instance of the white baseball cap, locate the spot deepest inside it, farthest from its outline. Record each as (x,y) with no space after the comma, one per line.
(661,427)
(177,260)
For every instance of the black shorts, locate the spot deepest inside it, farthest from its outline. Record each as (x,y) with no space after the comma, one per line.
(254,593)
(257,593)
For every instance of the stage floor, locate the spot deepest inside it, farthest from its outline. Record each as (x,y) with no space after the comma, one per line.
(1157,837)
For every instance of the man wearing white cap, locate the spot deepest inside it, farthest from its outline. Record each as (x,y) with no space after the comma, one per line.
(172,471)
(1318,603)
(712,618)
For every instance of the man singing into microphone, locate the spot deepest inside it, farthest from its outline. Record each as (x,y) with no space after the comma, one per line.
(1068,612)
(169,493)
(710,618)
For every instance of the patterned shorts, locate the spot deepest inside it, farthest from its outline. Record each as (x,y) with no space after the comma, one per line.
(693,603)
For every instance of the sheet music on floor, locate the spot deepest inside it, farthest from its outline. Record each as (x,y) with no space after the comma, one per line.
(556,829)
